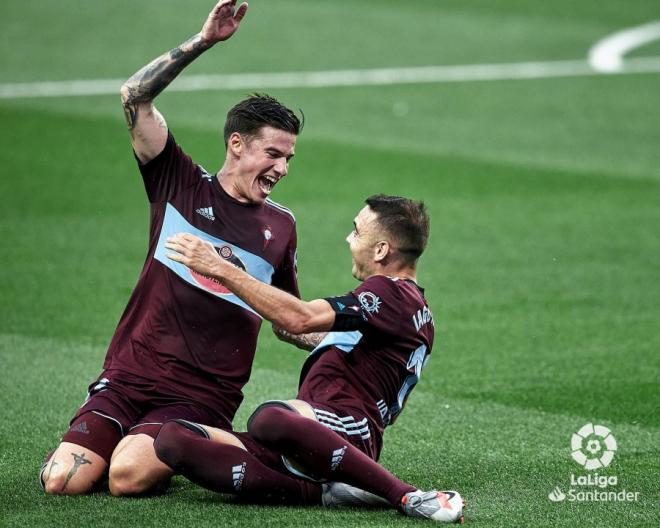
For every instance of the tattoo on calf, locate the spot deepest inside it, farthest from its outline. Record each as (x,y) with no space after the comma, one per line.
(78,460)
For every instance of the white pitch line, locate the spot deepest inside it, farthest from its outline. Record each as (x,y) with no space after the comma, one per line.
(324,79)
(607,54)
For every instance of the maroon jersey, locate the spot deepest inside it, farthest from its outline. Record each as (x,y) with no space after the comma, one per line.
(185,336)
(370,370)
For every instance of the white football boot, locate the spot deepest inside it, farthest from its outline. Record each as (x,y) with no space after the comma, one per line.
(440,506)
(338,494)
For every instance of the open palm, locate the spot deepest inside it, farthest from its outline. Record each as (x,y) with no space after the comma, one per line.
(223,21)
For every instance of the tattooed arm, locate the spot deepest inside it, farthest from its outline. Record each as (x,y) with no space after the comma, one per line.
(146,125)
(304,341)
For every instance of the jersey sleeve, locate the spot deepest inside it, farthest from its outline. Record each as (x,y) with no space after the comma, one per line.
(372,305)
(286,274)
(168,173)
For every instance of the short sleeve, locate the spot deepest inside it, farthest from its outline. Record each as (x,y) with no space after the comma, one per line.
(286,275)
(380,300)
(168,173)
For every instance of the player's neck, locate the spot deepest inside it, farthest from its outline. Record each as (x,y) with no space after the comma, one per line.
(228,182)
(397,272)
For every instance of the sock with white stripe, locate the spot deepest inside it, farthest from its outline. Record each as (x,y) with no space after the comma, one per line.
(229,469)
(323,452)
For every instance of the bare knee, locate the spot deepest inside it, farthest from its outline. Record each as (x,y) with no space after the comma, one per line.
(63,475)
(135,469)
(55,485)
(124,479)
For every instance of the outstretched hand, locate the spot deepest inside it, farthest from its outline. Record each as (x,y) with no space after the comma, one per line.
(223,21)
(195,253)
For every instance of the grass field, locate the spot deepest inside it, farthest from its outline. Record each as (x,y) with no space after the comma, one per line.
(543,268)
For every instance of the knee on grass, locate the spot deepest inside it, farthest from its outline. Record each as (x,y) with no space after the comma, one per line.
(128,479)
(56,479)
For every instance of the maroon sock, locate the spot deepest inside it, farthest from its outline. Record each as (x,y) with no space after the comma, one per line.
(229,469)
(323,452)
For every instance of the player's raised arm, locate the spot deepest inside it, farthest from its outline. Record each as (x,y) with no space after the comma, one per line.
(146,125)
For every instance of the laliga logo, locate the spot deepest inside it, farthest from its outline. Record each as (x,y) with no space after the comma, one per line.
(593,446)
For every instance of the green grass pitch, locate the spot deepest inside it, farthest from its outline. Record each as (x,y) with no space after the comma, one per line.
(543,268)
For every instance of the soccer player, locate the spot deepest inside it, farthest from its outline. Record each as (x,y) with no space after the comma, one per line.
(185,344)
(370,347)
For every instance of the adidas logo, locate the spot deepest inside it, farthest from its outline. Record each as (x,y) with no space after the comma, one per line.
(80,428)
(206,212)
(238,474)
(337,456)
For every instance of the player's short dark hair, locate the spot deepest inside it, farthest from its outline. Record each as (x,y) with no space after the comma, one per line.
(405,220)
(258,111)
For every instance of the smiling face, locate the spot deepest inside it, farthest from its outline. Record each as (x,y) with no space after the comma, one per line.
(362,242)
(261,162)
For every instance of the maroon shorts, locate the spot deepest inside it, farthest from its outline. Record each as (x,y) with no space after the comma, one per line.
(134,406)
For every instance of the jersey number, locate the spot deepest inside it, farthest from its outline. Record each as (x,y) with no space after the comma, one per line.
(416,364)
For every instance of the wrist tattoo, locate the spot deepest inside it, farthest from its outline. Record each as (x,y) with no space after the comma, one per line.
(304,341)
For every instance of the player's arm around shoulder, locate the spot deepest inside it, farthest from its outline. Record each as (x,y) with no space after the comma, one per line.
(305,317)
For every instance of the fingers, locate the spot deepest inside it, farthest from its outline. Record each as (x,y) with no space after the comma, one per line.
(224,7)
(176,257)
(240,12)
(182,242)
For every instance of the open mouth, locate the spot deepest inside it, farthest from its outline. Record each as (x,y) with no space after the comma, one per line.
(266,183)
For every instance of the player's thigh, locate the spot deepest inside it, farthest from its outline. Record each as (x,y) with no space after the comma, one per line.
(135,468)
(72,469)
(303,408)
(224,437)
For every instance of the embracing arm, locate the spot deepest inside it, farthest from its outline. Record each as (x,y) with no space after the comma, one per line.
(304,341)
(146,125)
(277,306)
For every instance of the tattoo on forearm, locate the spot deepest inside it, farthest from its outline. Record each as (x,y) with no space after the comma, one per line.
(147,83)
(305,341)
(78,460)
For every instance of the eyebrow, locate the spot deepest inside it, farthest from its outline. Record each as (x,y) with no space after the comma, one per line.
(279,152)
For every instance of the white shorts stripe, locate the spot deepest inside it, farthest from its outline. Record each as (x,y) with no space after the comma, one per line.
(346,425)
(347,421)
(364,435)
(343,424)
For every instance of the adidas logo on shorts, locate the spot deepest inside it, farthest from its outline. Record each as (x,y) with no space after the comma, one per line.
(337,457)
(80,428)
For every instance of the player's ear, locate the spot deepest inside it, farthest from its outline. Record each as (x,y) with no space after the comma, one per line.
(381,250)
(236,144)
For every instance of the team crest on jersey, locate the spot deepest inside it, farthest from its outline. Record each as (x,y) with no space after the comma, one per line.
(369,301)
(212,284)
(268,236)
